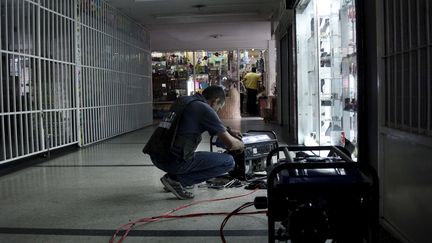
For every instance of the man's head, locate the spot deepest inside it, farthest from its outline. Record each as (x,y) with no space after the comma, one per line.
(215,96)
(254,69)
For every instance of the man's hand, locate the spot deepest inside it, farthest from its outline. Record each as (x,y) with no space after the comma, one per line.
(231,142)
(235,133)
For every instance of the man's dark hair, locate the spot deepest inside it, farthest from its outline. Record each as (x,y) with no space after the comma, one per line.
(254,69)
(214,92)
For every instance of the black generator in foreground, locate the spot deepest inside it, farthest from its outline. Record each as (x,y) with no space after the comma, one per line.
(312,199)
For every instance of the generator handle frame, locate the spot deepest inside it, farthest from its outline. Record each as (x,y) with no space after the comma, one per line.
(213,143)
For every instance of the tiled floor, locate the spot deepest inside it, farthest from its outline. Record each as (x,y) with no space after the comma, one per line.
(83,196)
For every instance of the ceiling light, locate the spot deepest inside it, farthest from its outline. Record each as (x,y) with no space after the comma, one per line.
(216,36)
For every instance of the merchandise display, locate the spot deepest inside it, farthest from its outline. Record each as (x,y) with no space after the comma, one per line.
(185,72)
(170,73)
(327,72)
(252,58)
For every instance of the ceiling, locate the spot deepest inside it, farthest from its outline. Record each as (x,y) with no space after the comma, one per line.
(203,24)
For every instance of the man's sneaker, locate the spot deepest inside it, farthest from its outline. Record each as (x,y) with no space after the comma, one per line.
(176,188)
(185,187)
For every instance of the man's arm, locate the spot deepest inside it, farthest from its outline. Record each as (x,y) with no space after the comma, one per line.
(230,142)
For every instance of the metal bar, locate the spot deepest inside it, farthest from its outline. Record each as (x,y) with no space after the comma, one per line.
(68,40)
(23,156)
(94,111)
(28,29)
(31,72)
(87,98)
(90,104)
(7,79)
(3,134)
(83,42)
(35,56)
(94,47)
(410,66)
(13,80)
(118,71)
(8,99)
(24,127)
(61,35)
(63,96)
(99,77)
(50,105)
(402,70)
(419,111)
(395,65)
(32,108)
(26,76)
(108,96)
(429,64)
(67,114)
(56,78)
(68,78)
(40,103)
(91,15)
(55,104)
(62,78)
(26,112)
(57,36)
(21,81)
(78,70)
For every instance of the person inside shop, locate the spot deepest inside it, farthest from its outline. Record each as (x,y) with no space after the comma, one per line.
(242,90)
(251,80)
(172,145)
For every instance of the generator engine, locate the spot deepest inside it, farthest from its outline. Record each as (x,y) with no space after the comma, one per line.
(312,200)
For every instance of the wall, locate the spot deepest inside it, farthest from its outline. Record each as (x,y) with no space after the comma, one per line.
(403,157)
(285,76)
(230,36)
(406,185)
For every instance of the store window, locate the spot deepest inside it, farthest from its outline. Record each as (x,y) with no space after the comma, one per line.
(171,73)
(185,72)
(251,58)
(327,73)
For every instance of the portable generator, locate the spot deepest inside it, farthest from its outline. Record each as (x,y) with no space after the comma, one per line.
(253,159)
(312,199)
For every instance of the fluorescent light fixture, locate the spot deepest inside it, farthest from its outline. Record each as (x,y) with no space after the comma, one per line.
(205,15)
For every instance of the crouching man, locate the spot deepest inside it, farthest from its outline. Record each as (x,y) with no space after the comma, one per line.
(172,145)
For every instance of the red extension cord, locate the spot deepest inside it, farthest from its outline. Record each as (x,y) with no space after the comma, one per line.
(168,215)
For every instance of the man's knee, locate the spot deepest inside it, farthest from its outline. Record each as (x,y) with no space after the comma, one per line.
(230,162)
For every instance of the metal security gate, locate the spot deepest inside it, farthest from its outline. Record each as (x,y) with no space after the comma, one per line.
(116,91)
(407,59)
(71,72)
(37,76)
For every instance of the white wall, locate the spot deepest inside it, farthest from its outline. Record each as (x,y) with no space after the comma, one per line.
(199,36)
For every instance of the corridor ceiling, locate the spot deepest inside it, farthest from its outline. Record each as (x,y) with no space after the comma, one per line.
(195,24)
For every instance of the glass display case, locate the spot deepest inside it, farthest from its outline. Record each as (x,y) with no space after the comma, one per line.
(327,73)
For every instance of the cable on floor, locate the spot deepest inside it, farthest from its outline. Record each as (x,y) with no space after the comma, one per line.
(129,226)
(235,212)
